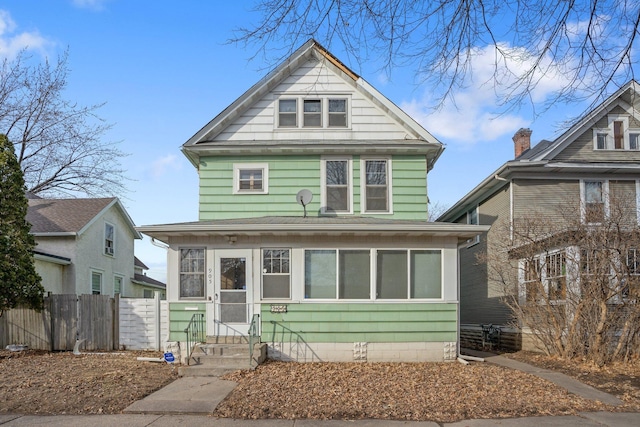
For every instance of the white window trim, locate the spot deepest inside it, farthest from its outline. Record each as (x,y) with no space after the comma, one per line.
(363,186)
(605,196)
(262,274)
(323,185)
(99,272)
(324,100)
(610,146)
(237,167)
(104,240)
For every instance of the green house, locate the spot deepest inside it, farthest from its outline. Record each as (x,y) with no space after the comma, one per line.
(313,224)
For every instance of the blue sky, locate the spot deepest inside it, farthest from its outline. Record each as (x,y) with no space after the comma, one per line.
(164,71)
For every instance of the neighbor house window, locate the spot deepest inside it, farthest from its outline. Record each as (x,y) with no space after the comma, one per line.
(276,274)
(337,113)
(398,274)
(192,268)
(532,280)
(336,175)
(147,293)
(96,283)
(251,178)
(472,219)
(556,275)
(117,285)
(594,201)
(312,114)
(287,113)
(631,283)
(617,136)
(109,239)
(376,182)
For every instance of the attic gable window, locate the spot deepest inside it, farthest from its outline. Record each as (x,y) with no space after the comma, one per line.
(287,113)
(251,178)
(317,112)
(617,136)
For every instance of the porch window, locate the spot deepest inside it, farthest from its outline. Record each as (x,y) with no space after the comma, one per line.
(276,275)
(192,268)
(376,186)
(251,178)
(96,283)
(425,274)
(337,177)
(405,274)
(343,273)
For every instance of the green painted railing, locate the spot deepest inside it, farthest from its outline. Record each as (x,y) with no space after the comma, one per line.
(195,333)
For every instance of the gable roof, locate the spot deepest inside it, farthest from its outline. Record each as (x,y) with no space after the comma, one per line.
(71,217)
(204,140)
(541,156)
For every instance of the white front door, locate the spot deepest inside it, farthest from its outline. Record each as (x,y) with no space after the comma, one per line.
(232,292)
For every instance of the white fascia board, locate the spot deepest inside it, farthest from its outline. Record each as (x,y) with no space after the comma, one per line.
(56,234)
(52,259)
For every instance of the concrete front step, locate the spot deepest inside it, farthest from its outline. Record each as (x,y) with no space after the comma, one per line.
(239,350)
(235,339)
(207,370)
(214,360)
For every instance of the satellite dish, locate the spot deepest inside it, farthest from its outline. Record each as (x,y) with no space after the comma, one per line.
(304,197)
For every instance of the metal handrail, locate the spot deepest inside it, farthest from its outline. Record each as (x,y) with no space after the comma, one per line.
(195,333)
(253,334)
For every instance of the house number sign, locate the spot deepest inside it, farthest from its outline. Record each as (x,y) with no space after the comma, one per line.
(278,308)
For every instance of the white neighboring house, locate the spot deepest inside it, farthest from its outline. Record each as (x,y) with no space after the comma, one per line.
(84,246)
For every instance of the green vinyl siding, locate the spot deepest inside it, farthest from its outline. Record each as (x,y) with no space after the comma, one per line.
(360,322)
(180,314)
(290,174)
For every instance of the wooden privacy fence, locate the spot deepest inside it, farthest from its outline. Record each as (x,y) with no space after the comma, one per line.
(92,319)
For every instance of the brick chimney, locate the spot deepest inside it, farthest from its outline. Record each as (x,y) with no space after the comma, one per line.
(521,141)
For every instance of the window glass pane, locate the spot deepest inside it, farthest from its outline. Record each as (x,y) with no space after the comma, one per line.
(337,172)
(354,274)
(593,191)
(312,112)
(426,274)
(96,283)
(337,105)
(275,286)
(320,274)
(594,201)
(376,199)
(117,285)
(192,267)
(602,141)
(288,120)
(312,106)
(633,141)
(275,274)
(250,179)
(472,217)
(392,275)
(337,113)
(376,172)
(287,105)
(232,273)
(337,199)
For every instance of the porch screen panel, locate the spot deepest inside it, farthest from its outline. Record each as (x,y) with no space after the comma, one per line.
(354,275)
(392,275)
(320,274)
(426,274)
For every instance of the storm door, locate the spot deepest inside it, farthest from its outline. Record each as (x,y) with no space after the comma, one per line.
(232,291)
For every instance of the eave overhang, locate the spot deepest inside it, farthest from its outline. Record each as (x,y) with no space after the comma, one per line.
(311,228)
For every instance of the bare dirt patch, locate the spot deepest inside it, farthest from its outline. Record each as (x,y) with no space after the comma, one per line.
(36,382)
(442,392)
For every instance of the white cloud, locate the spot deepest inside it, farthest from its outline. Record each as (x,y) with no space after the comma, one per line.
(165,164)
(90,4)
(11,43)
(474,114)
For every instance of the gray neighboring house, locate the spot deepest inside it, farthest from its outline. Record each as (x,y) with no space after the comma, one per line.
(597,157)
(84,246)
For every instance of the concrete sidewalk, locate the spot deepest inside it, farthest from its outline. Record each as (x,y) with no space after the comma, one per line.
(595,419)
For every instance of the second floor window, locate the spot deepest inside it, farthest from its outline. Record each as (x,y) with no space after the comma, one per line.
(251,178)
(594,193)
(109,240)
(376,186)
(318,112)
(287,113)
(337,177)
(312,113)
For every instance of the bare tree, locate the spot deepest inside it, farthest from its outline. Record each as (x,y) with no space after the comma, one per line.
(574,281)
(588,45)
(58,143)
